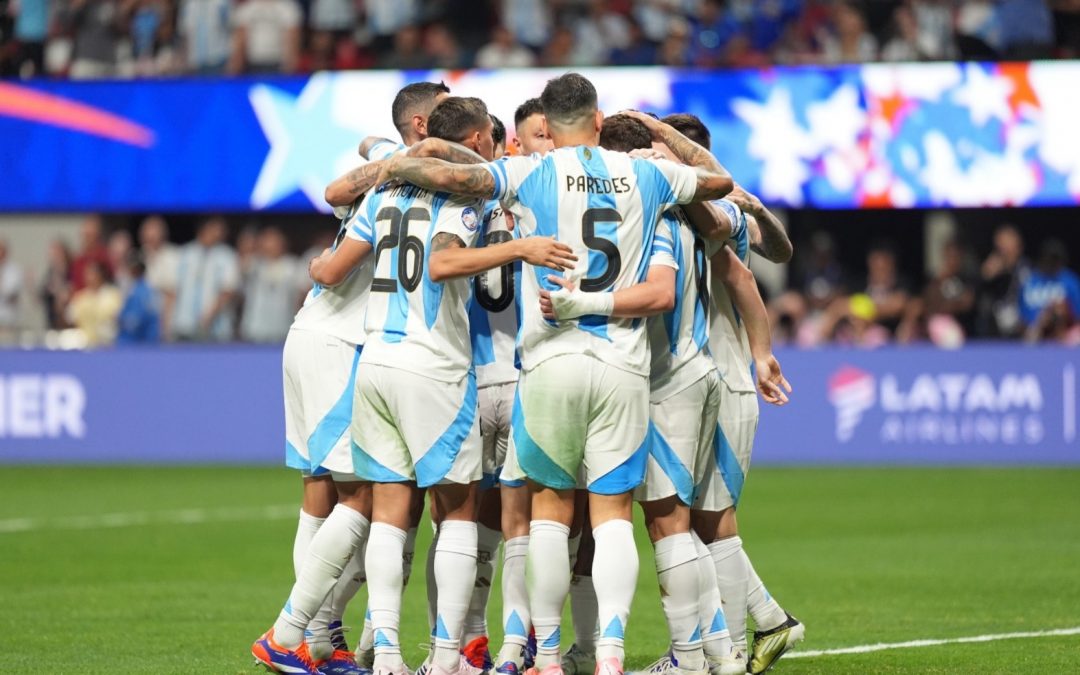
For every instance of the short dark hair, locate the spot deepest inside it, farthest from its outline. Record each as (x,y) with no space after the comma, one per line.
(531,107)
(413,99)
(623,133)
(692,127)
(456,116)
(568,98)
(498,131)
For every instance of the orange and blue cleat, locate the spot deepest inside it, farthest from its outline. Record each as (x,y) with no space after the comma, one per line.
(278,659)
(342,662)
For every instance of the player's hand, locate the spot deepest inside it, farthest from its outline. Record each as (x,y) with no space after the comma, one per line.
(386,169)
(546,252)
(747,202)
(651,123)
(547,304)
(770,380)
(647,153)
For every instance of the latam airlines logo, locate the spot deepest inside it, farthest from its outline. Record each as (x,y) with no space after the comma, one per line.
(939,407)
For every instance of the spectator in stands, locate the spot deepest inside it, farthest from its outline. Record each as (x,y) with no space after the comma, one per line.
(119,252)
(904,43)
(504,52)
(934,28)
(655,17)
(92,250)
(847,40)
(94,308)
(204,27)
(819,283)
(978,35)
(945,311)
(1050,294)
(408,52)
(386,18)
(31,29)
(1002,274)
(159,257)
(854,322)
(884,285)
(529,21)
(710,34)
(269,297)
(139,320)
(442,48)
(333,16)
(11,284)
(146,20)
(96,26)
(598,32)
(266,37)
(56,285)
(1027,29)
(208,279)
(637,52)
(675,49)
(559,51)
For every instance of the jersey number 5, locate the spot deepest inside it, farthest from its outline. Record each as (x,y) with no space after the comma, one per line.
(410,268)
(613,259)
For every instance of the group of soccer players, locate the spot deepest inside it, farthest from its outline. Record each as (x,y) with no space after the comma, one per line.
(535,342)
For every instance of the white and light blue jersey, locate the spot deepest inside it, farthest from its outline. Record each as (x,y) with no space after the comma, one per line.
(339,310)
(679,339)
(493,314)
(412,322)
(383,149)
(605,205)
(728,341)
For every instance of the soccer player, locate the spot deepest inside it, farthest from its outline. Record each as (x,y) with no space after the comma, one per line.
(582,399)
(319,368)
(415,407)
(736,341)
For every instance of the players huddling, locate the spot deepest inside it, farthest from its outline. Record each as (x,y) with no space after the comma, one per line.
(533,341)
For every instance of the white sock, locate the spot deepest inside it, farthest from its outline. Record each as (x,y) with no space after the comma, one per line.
(430,586)
(317,636)
(732,576)
(767,612)
(385,584)
(455,574)
(615,570)
(487,547)
(677,572)
(367,636)
(583,612)
(306,528)
(515,601)
(336,541)
(572,546)
(407,555)
(548,583)
(715,639)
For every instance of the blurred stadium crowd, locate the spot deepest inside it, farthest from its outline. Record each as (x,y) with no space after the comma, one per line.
(141,38)
(133,285)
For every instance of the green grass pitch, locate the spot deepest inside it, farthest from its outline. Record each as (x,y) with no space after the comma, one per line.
(860,555)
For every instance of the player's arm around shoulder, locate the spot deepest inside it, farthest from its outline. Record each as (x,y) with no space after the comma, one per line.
(334,265)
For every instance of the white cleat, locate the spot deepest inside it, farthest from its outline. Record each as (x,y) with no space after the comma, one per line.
(609,666)
(732,664)
(666,665)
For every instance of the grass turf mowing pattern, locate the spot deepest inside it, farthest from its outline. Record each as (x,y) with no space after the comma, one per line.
(860,555)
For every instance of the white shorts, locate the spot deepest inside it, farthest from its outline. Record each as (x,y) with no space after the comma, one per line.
(576,412)
(730,459)
(414,428)
(496,405)
(681,440)
(319,372)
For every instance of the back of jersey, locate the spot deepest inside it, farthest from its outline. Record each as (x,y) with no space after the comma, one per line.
(339,310)
(412,322)
(605,206)
(728,340)
(493,314)
(679,339)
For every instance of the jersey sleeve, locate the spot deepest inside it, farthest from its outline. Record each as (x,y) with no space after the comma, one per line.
(361,224)
(383,149)
(663,243)
(739,240)
(680,180)
(460,218)
(509,173)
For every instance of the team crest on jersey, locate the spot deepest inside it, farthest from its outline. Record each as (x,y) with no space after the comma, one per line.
(469,219)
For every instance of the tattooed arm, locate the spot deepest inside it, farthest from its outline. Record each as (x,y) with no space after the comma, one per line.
(446,150)
(451,259)
(345,190)
(768,238)
(471,180)
(713,180)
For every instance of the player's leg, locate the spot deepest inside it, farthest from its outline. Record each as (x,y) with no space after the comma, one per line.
(615,461)
(455,569)
(318,501)
(580,659)
(515,514)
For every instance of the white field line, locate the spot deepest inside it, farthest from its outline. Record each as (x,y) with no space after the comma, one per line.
(131,519)
(882,646)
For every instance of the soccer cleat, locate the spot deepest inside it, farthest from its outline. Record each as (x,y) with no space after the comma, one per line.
(609,666)
(732,664)
(342,662)
(553,669)
(337,636)
(400,669)
(667,665)
(476,655)
(508,668)
(365,658)
(278,659)
(771,644)
(577,661)
(530,649)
